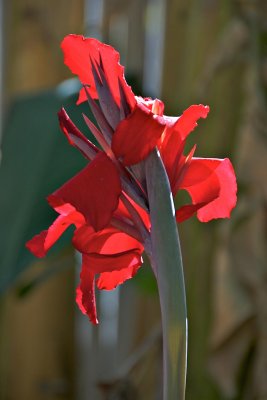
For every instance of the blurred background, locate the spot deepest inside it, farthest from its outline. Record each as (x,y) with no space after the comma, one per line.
(184,52)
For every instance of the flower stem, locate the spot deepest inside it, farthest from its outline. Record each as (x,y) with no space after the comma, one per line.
(167,260)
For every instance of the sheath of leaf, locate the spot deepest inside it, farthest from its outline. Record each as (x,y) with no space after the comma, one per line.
(107,201)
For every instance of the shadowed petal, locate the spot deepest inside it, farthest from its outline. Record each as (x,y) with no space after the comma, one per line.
(108,241)
(109,250)
(75,136)
(106,100)
(113,270)
(85,294)
(98,135)
(103,124)
(94,191)
(185,212)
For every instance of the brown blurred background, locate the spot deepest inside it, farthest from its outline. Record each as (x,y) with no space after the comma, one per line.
(184,52)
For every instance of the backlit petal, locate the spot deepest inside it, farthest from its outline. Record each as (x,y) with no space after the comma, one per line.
(110,280)
(107,263)
(154,105)
(41,243)
(187,122)
(137,135)
(173,140)
(211,182)
(78,51)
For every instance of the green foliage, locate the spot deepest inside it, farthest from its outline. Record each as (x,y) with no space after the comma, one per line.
(145,279)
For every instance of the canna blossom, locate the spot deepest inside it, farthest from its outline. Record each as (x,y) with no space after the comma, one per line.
(107,201)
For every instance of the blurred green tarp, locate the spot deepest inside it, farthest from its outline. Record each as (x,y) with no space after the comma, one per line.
(36,160)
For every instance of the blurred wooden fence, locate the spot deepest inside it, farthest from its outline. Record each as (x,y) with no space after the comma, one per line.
(37,346)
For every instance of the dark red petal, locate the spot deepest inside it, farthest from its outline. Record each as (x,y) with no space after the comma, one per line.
(185,212)
(212,182)
(123,213)
(126,104)
(75,137)
(182,164)
(77,53)
(98,135)
(108,241)
(142,213)
(63,208)
(94,191)
(106,99)
(110,280)
(85,294)
(103,124)
(137,135)
(41,243)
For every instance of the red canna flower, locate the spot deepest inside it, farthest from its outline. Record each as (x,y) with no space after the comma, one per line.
(107,201)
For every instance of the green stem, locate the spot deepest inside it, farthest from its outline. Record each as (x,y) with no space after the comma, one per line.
(167,260)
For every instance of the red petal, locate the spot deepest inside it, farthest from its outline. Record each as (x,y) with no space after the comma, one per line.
(154,105)
(107,263)
(182,164)
(171,150)
(137,135)
(94,191)
(120,267)
(108,241)
(212,182)
(41,243)
(123,213)
(77,53)
(75,137)
(85,294)
(188,120)
(173,140)
(110,280)
(66,209)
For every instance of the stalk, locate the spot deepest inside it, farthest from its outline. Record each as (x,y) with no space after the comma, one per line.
(167,261)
